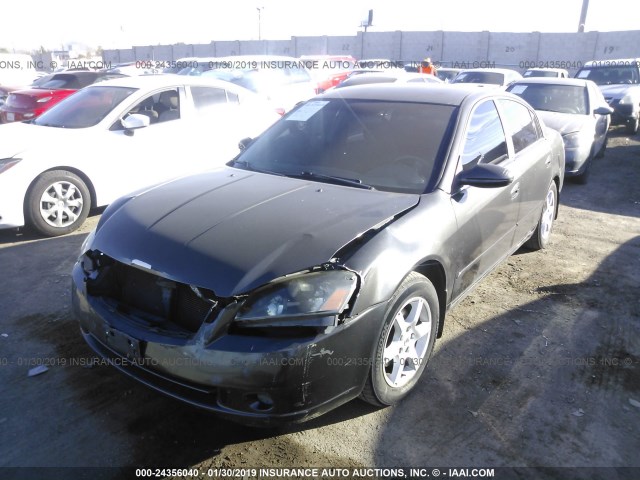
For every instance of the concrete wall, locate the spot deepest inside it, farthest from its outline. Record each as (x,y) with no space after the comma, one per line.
(462,49)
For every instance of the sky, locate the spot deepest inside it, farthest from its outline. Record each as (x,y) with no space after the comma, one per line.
(126,23)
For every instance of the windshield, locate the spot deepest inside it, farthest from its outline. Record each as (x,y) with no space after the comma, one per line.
(392,146)
(256,80)
(553,98)
(540,73)
(84,108)
(610,75)
(480,77)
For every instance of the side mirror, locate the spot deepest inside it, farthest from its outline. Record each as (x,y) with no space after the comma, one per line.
(604,110)
(485,175)
(244,143)
(135,121)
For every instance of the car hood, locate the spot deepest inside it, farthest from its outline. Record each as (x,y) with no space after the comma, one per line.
(232,230)
(17,137)
(617,91)
(564,122)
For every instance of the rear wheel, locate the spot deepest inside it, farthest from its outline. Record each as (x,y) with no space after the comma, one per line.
(540,238)
(405,341)
(632,127)
(57,203)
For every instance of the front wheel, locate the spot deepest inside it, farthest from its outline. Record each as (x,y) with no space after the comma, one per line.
(405,341)
(632,127)
(540,238)
(57,203)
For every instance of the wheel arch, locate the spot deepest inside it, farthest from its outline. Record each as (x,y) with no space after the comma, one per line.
(435,272)
(75,171)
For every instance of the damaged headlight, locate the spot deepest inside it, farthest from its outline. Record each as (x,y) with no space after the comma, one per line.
(311,299)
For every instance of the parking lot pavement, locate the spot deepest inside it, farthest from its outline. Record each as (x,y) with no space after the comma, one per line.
(539,366)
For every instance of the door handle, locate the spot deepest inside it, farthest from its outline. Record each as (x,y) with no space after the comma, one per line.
(515,191)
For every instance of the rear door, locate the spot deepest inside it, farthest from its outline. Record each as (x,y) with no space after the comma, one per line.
(529,162)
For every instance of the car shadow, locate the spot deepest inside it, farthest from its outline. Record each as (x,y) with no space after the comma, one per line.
(612,178)
(543,384)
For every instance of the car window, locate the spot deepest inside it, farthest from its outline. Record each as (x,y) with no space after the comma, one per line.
(485,141)
(480,77)
(85,108)
(520,123)
(392,146)
(553,97)
(205,98)
(610,75)
(159,107)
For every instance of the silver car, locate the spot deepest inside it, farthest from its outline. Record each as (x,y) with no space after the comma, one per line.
(577,109)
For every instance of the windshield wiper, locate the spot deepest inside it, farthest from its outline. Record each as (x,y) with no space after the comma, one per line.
(247,166)
(350,182)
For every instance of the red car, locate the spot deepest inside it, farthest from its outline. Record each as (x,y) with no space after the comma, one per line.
(27,104)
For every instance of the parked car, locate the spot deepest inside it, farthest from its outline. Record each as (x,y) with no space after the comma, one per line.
(283,81)
(328,70)
(576,109)
(399,77)
(546,72)
(116,136)
(447,74)
(318,266)
(619,81)
(27,104)
(501,77)
(194,67)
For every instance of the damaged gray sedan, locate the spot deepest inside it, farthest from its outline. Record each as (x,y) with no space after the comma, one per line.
(318,265)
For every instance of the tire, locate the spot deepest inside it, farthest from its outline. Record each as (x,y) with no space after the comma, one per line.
(405,342)
(632,128)
(57,203)
(540,238)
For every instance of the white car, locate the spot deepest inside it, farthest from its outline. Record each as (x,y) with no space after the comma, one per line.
(283,81)
(115,137)
(497,77)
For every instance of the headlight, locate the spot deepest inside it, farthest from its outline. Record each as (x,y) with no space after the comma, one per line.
(311,299)
(7,163)
(631,98)
(43,99)
(576,140)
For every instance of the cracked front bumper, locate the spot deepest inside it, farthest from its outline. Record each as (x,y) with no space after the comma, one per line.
(251,378)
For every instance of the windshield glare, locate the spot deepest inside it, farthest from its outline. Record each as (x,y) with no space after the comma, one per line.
(84,108)
(553,98)
(392,146)
(480,77)
(610,75)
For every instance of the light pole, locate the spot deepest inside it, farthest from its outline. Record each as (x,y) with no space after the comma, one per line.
(259,22)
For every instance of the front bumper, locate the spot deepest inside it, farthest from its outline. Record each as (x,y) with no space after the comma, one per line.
(576,160)
(252,378)
(623,114)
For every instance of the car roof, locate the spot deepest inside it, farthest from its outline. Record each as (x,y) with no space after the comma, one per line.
(545,69)
(166,80)
(553,81)
(444,94)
